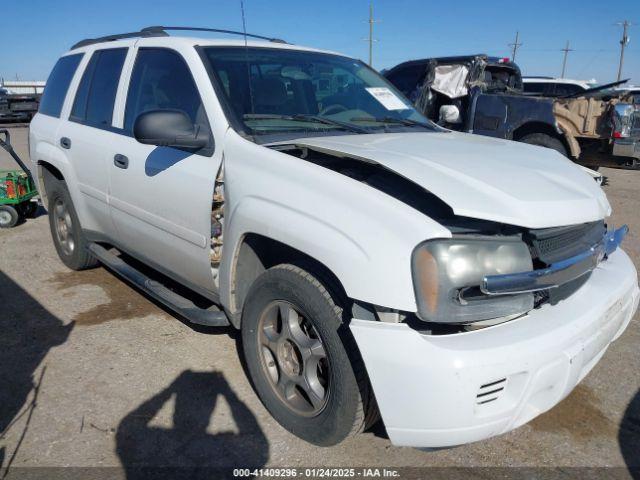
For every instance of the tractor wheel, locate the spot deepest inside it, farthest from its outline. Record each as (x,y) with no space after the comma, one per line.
(9,216)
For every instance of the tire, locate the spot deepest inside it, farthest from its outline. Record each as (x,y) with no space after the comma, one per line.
(29,209)
(67,234)
(544,140)
(344,402)
(9,216)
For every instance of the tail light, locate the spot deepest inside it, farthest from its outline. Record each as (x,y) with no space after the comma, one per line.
(623,119)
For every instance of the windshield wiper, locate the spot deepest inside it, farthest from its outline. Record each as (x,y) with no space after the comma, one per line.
(306,118)
(399,121)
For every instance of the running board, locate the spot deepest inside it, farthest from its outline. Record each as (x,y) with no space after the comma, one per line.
(209,317)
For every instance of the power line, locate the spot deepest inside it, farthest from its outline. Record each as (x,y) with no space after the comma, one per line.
(566,51)
(623,43)
(515,45)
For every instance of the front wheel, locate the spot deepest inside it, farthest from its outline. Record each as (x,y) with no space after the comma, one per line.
(302,359)
(547,141)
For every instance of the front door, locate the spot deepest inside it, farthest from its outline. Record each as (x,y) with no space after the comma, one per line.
(161,197)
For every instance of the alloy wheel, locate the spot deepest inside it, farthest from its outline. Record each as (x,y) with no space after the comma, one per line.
(63,226)
(294,358)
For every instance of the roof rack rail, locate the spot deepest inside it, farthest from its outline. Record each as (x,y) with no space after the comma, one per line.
(161,31)
(117,36)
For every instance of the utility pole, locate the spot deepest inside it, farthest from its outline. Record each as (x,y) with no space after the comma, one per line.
(371,39)
(515,45)
(623,43)
(566,51)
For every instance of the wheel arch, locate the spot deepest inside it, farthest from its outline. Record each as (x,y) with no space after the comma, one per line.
(546,129)
(255,254)
(42,168)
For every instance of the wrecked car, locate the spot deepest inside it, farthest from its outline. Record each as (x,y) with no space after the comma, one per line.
(376,264)
(17,107)
(484,95)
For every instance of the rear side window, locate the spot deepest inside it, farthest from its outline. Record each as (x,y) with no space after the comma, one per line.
(563,89)
(58,84)
(96,94)
(161,80)
(407,78)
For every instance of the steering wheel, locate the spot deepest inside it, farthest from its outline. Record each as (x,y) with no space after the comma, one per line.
(333,109)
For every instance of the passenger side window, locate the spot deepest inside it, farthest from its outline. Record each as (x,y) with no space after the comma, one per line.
(58,84)
(161,80)
(96,93)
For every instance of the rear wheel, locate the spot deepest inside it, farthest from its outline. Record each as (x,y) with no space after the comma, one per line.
(66,232)
(544,140)
(302,359)
(9,216)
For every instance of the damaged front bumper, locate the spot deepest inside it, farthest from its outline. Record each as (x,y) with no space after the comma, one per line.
(436,391)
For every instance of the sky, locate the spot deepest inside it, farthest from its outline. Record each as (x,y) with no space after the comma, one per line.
(36,32)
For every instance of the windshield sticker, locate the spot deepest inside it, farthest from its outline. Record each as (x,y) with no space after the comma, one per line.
(387,98)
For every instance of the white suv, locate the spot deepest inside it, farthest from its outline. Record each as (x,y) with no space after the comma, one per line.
(375,263)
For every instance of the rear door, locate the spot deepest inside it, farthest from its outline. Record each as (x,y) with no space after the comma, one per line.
(88,137)
(43,130)
(161,197)
(489,114)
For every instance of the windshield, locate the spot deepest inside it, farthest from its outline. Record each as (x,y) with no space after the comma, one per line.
(277,91)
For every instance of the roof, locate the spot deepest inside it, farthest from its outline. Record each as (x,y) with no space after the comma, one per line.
(491,60)
(158,36)
(586,84)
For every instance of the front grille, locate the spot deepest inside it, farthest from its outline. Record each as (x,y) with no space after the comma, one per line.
(635,123)
(549,245)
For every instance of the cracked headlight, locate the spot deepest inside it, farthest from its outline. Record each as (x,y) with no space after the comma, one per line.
(447,274)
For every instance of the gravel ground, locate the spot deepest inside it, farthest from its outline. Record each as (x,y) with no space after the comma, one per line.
(93,373)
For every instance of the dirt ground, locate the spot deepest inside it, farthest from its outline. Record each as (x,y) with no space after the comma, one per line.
(94,374)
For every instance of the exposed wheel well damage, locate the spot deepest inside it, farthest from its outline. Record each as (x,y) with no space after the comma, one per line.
(45,168)
(258,253)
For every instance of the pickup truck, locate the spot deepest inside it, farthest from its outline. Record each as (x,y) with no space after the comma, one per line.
(484,95)
(17,107)
(376,264)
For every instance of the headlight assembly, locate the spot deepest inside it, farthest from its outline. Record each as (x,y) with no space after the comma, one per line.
(447,275)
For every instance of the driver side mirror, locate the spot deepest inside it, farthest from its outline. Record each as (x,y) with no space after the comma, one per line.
(169,128)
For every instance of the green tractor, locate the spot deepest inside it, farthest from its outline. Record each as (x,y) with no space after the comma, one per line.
(17,189)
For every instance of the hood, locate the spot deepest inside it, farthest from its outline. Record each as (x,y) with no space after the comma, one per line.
(482,177)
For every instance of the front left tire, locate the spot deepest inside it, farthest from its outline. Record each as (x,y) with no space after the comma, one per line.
(302,359)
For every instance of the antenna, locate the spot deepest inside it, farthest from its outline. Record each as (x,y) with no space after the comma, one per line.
(246,56)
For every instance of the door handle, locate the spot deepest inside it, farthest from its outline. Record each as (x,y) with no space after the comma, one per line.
(121,161)
(65,142)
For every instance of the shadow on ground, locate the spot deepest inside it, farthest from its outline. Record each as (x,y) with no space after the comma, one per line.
(629,436)
(188,449)
(27,333)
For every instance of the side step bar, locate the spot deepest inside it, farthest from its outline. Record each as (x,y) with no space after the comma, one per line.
(176,302)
